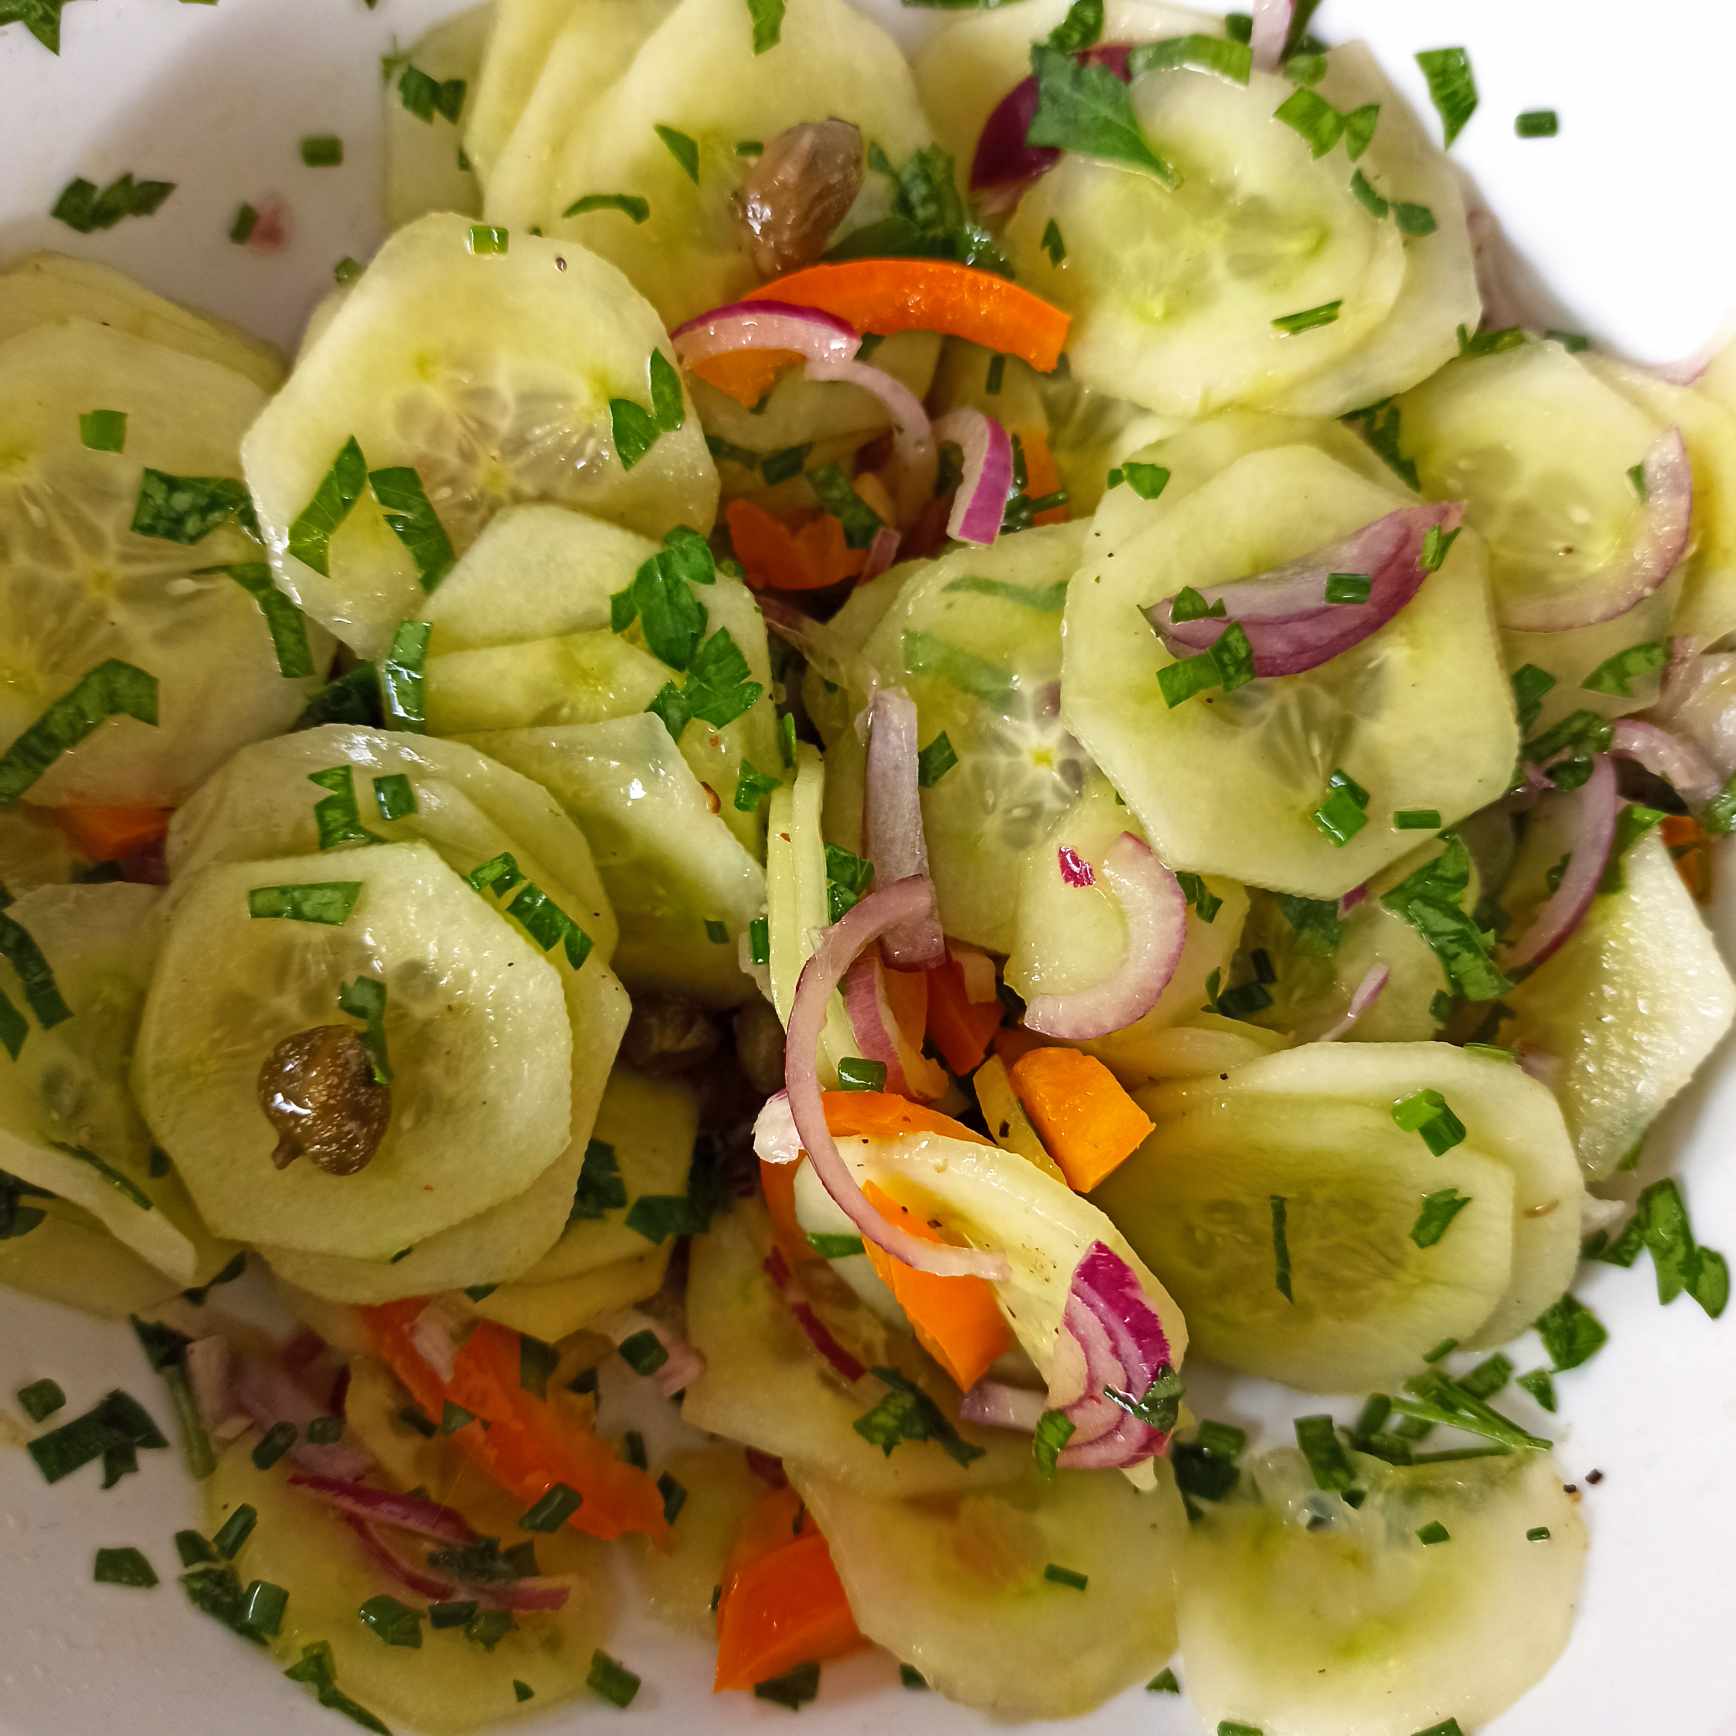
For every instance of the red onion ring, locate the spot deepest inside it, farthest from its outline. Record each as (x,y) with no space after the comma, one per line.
(1666,523)
(394,1566)
(991,1404)
(765,325)
(839,663)
(682,1364)
(1366,993)
(814,1329)
(1270,32)
(981,501)
(387,1507)
(270,1395)
(1155,911)
(1671,757)
(1597,810)
(1075,870)
(879,1037)
(915,457)
(901,902)
(1290,625)
(892,833)
(1003,160)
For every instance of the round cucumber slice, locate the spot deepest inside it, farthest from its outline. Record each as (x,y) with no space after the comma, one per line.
(1631,1006)
(1180,294)
(491,374)
(557,1310)
(975,639)
(766,1386)
(1508,1117)
(67,1120)
(1365,1301)
(513,57)
(682,887)
(476,1029)
(33,851)
(1419,714)
(45,288)
(447,1683)
(1301,1617)
(72,1259)
(698,75)
(82,587)
(959,1588)
(426,166)
(1206,1043)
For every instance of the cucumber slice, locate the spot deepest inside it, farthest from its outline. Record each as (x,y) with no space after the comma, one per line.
(1631,1006)
(67,1120)
(81,586)
(1419,714)
(468,806)
(1066,937)
(426,166)
(671,867)
(71,1258)
(555,1311)
(1206,1043)
(1300,1617)
(956,1587)
(1177,292)
(1195,1200)
(832,702)
(489,374)
(513,58)
(767,1387)
(45,288)
(975,639)
(33,851)
(698,74)
(1508,1117)
(448,1682)
(476,1027)
(676,1584)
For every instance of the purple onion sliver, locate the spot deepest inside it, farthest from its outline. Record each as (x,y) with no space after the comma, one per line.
(1671,757)
(991,1404)
(987,479)
(270,1395)
(1367,992)
(892,831)
(388,1507)
(1270,31)
(394,1566)
(765,325)
(1597,812)
(1075,870)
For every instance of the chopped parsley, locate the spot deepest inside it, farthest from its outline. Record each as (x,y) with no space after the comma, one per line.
(365,999)
(1571,1334)
(283,620)
(635,429)
(1317,1436)
(601,1188)
(1086,109)
(1616,674)
(1052,243)
(835,1247)
(1438,1211)
(337,819)
(1316,120)
(391,1622)
(929,220)
(1432,1533)
(1344,810)
(835,493)
(856,1074)
(1219,54)
(186,509)
(1541,1388)
(111,689)
(848,877)
(1452,88)
(752,787)
(425,96)
(1054,1430)
(339,489)
(1082,27)
(768,23)
(40,17)
(324,901)
(1206,903)
(1430,900)
(683,149)
(84,207)
(411,518)
(242,225)
(907,1413)
(125,1566)
(552,1510)
(394,796)
(1281,1247)
(41,1399)
(401,671)
(1067,1576)
(103,430)
(322,150)
(935,761)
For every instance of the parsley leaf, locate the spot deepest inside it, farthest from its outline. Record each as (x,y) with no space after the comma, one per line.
(907,1413)
(1088,110)
(82,207)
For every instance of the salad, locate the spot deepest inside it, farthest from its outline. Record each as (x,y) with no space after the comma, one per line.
(866,759)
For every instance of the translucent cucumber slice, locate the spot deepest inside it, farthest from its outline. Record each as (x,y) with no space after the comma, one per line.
(1302,1617)
(468,806)
(447,1683)
(1419,714)
(1508,1117)
(557,1310)
(833,702)
(67,1120)
(81,587)
(71,1258)
(1206,1043)
(1068,937)
(1630,1007)
(681,885)
(44,288)
(1366,1303)
(513,57)
(427,168)
(767,1387)
(960,1588)
(491,374)
(698,75)
(33,851)
(1178,292)
(975,639)
(676,1584)
(476,1030)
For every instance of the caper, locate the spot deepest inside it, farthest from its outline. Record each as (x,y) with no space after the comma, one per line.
(667,1034)
(317,1089)
(798,192)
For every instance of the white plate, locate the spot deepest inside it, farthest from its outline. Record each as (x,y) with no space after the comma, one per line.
(1624,214)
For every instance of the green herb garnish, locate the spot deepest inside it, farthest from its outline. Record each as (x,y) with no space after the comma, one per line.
(1086,109)
(1309,319)
(324,901)
(907,1413)
(1428,1113)
(84,207)
(1452,88)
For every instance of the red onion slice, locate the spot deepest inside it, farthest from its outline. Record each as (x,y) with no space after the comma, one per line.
(1366,993)
(682,1364)
(1290,625)
(1155,912)
(1355,896)
(914,454)
(1671,757)
(1075,870)
(814,1329)
(270,1395)
(534,1592)
(879,1037)
(766,325)
(981,501)
(1597,811)
(387,1507)
(902,902)
(1271,30)
(882,553)
(1666,523)
(991,1404)
(892,831)
(399,1571)
(1003,159)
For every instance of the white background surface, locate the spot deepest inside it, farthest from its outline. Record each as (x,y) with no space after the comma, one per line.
(1626,218)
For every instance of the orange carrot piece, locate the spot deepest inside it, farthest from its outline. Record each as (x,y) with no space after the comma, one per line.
(1013,1042)
(1691,849)
(1081,1112)
(1042,473)
(103,834)
(782,1602)
(778,1184)
(781,557)
(524,1445)
(902,295)
(956,1320)
(961,1028)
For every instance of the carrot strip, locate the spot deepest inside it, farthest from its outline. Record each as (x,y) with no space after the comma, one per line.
(778,1184)
(523,1445)
(1014,1041)
(1690,848)
(781,557)
(1084,1117)
(961,1028)
(956,1320)
(782,1603)
(1042,473)
(103,834)
(901,295)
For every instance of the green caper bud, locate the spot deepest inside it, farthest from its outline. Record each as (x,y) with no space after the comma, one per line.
(318,1091)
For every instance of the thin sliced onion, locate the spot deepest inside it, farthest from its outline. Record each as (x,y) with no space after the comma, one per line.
(987,480)
(1597,809)
(210,1367)
(1289,623)
(915,457)
(882,552)
(1154,909)
(814,1329)
(766,325)
(1666,523)
(909,1073)
(1271,30)
(1671,757)
(840,945)
(823,647)
(991,1404)
(1003,160)
(270,1394)
(1351,899)
(892,831)
(412,1513)
(1075,870)
(682,1365)
(534,1592)
(1366,993)
(977,969)
(395,1567)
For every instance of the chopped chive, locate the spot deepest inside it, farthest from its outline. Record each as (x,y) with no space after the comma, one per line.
(1054,1430)
(1428,1113)
(1537,1534)
(41,1399)
(234,1531)
(391,1622)
(1148,481)
(1488,1377)
(794,1689)
(611,1681)
(450,1615)
(1437,1214)
(1317,1436)
(322,150)
(273,1444)
(394,796)
(103,430)
(1320,125)
(830,1247)
(1189,604)
(324,901)
(674,1497)
(856,1074)
(242,225)
(487,238)
(993,378)
(262,1607)
(1441,1351)
(1348,587)
(683,149)
(346,271)
(628,204)
(643,1352)
(1432,1533)
(1065,1576)
(1281,1247)
(1291,324)
(536,1362)
(1537,124)
(1367,197)
(716,932)
(1052,244)
(1414,220)
(522,1691)
(1163,1683)
(1541,1388)
(124,1566)
(759,943)
(552,1510)
(193,1550)
(1416,820)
